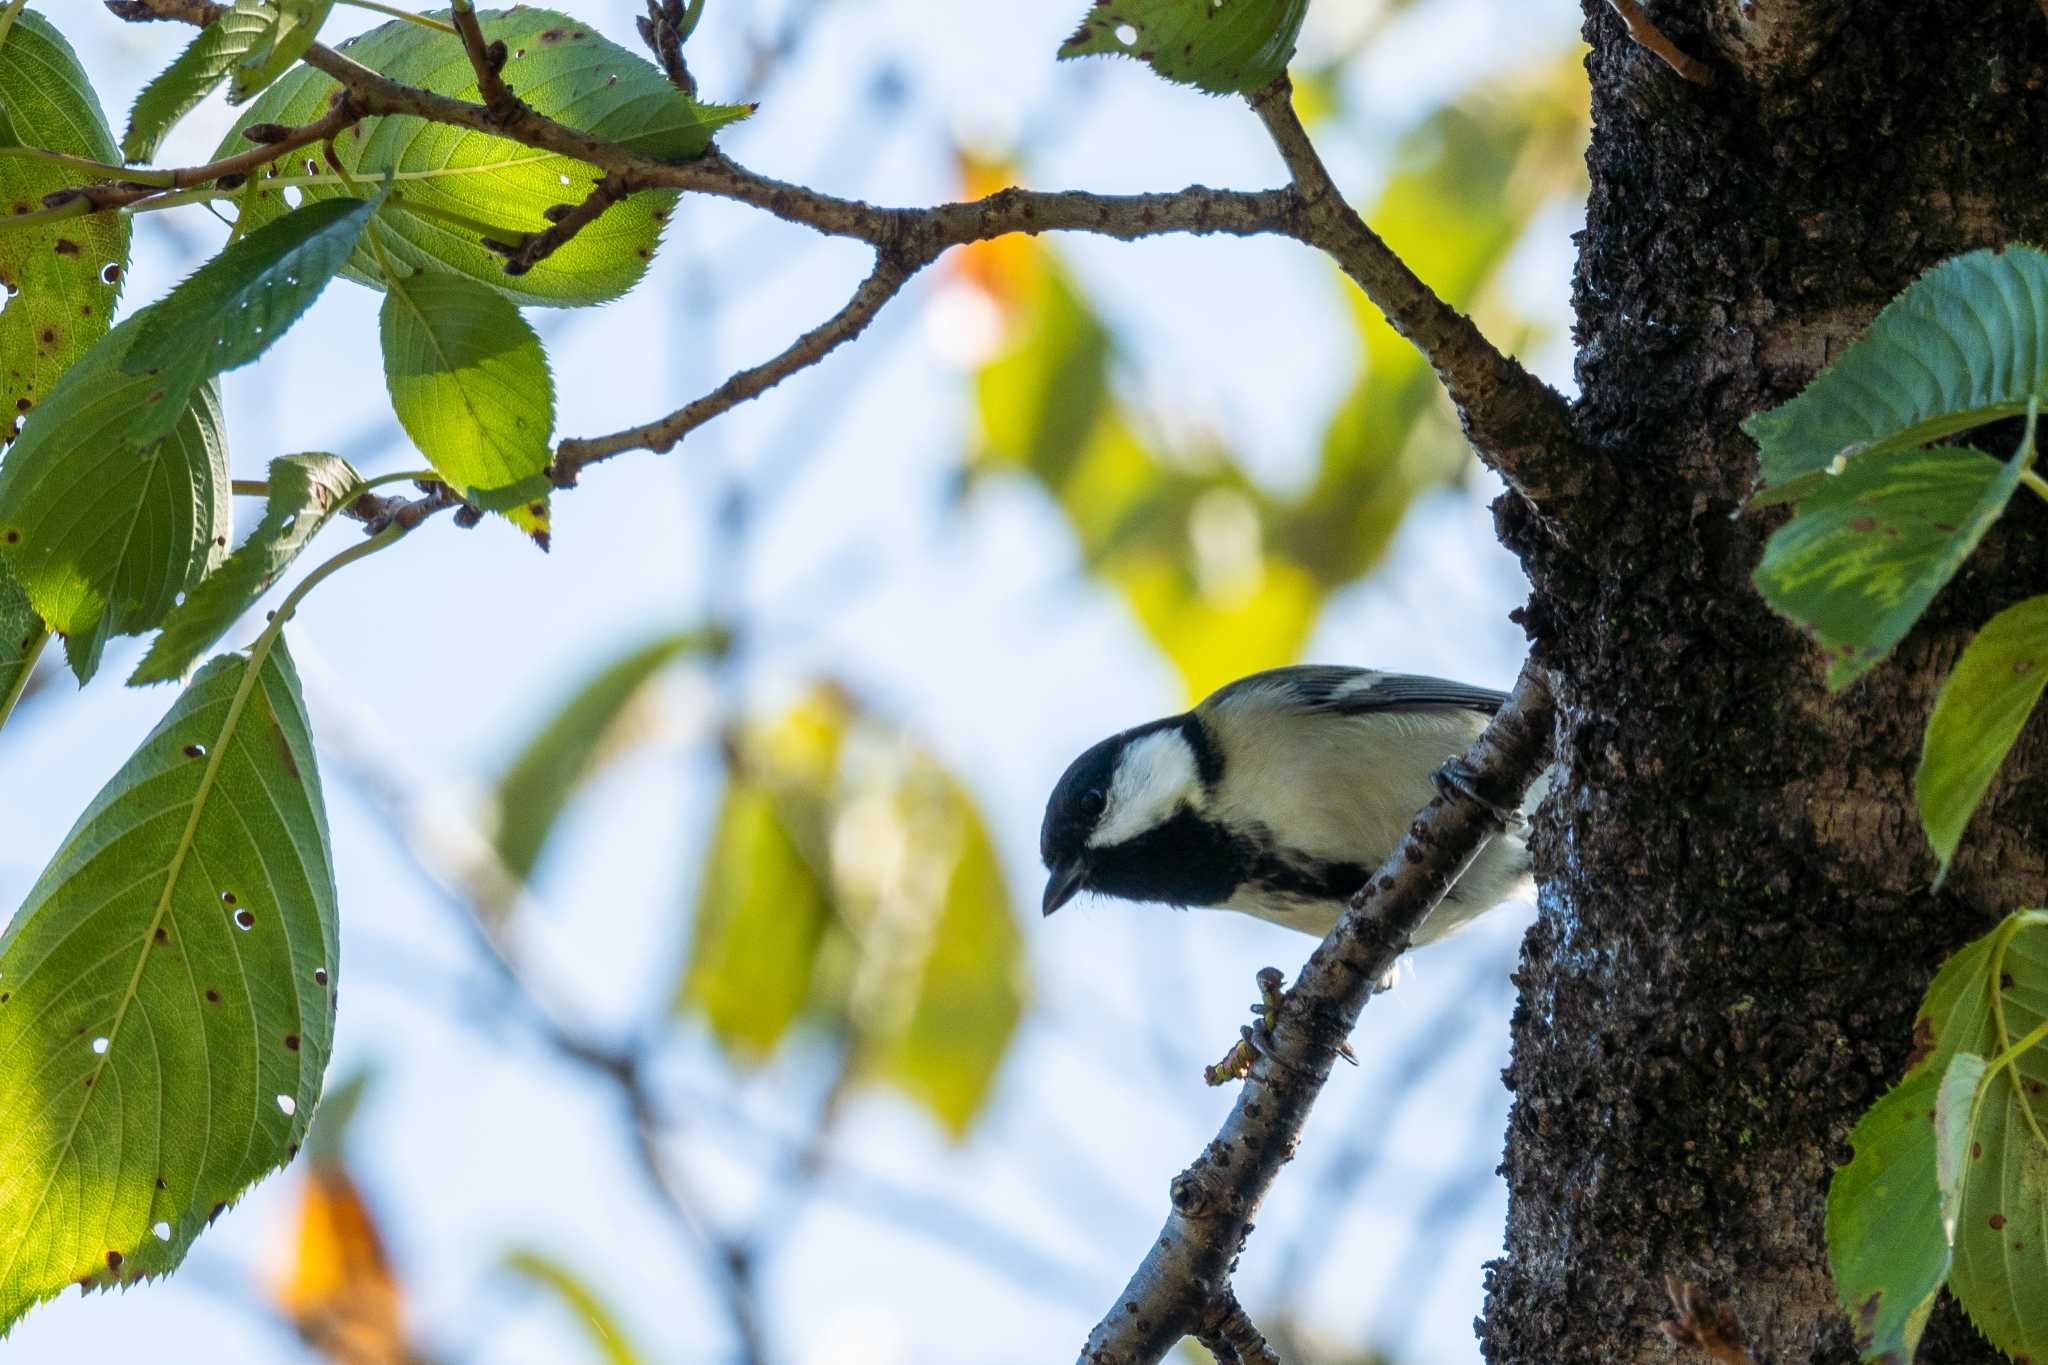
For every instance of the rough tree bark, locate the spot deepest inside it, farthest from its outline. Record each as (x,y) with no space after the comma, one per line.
(1736,922)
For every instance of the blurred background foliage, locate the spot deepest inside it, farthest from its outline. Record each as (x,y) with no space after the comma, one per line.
(849,925)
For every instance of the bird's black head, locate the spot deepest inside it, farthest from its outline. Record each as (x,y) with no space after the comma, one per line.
(1126,820)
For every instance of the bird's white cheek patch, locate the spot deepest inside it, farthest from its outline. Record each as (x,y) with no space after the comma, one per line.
(1154,778)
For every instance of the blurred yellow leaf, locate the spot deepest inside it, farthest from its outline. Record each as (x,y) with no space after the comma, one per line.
(340,1292)
(595,1316)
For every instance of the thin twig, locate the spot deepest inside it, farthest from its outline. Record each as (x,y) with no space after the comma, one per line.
(1651,38)
(1516,423)
(1177,1289)
(663,27)
(486,58)
(566,221)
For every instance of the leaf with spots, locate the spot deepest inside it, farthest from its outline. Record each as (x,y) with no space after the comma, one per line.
(178,89)
(289,28)
(471,387)
(1965,344)
(1950,1172)
(22,636)
(1222,46)
(62,277)
(1871,547)
(561,68)
(306,492)
(586,732)
(166,992)
(101,533)
(1980,712)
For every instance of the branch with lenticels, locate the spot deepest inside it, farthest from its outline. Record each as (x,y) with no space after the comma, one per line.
(1518,425)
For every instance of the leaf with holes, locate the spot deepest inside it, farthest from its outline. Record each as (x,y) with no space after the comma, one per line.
(1871,547)
(471,386)
(306,492)
(1960,346)
(231,310)
(608,1336)
(102,534)
(166,993)
(562,69)
(1978,715)
(576,741)
(22,634)
(62,278)
(289,28)
(178,89)
(1222,46)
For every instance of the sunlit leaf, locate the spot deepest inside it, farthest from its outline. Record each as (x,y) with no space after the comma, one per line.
(596,1318)
(1980,712)
(289,28)
(62,278)
(166,993)
(573,744)
(1960,346)
(306,492)
(1222,46)
(560,67)
(470,385)
(22,633)
(1871,547)
(340,1292)
(180,87)
(103,536)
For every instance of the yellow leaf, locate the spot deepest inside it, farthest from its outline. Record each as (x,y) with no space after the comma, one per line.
(340,1292)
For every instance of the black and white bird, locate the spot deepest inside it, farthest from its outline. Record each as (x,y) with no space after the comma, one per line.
(1277,796)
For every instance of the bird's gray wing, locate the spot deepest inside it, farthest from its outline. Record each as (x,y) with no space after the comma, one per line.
(1337,690)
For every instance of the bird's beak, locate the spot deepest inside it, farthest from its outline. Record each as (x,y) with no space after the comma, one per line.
(1065,881)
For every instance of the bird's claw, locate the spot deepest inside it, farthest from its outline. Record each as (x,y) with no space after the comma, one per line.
(1456,781)
(1256,1040)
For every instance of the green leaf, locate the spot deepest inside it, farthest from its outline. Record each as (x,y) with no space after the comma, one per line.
(189,921)
(574,744)
(469,382)
(1954,1116)
(762,913)
(967,991)
(1981,709)
(565,71)
(101,533)
(597,1319)
(1871,547)
(1222,46)
(1884,1234)
(306,492)
(289,28)
(178,89)
(232,309)
(63,277)
(1960,346)
(22,633)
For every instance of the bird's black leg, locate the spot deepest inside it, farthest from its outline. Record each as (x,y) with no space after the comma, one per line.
(1455,781)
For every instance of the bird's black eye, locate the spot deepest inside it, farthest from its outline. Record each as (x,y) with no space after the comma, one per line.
(1092,801)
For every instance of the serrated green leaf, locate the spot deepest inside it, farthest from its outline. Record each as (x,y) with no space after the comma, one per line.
(306,492)
(1871,547)
(189,921)
(289,28)
(1978,715)
(102,533)
(232,309)
(1960,346)
(591,1312)
(1884,1236)
(576,741)
(1954,1105)
(1222,46)
(180,87)
(22,634)
(64,277)
(562,69)
(763,909)
(469,382)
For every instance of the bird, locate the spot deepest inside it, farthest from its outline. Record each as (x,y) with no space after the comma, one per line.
(1278,795)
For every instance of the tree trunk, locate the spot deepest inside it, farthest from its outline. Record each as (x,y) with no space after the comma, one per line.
(1737,924)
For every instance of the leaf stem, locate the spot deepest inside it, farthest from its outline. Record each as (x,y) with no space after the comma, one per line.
(449,218)
(6,27)
(2035,482)
(249,488)
(422,20)
(86,163)
(28,666)
(402,476)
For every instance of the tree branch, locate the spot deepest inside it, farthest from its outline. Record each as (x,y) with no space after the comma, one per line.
(1182,1287)
(1516,423)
